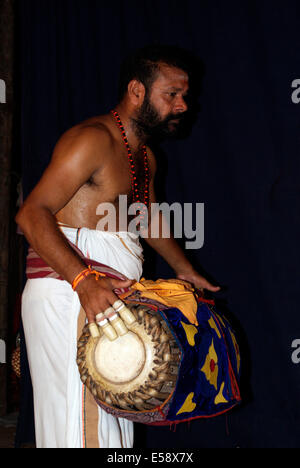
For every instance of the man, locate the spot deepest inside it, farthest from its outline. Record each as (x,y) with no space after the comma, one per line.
(93,163)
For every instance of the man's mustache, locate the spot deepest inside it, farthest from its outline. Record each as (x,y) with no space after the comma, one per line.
(179,117)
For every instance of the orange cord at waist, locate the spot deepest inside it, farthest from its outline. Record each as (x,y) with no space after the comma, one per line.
(83,274)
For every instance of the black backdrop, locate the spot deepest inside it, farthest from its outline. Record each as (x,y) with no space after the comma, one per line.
(241,160)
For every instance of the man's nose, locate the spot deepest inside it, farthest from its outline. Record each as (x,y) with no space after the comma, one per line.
(180,105)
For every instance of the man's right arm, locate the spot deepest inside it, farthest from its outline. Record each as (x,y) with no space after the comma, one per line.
(74,161)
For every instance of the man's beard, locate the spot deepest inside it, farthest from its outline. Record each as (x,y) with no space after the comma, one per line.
(148,123)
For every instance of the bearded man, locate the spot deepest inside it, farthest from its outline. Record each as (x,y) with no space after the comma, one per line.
(94,163)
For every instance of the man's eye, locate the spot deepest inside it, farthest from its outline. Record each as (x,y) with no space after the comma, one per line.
(172,94)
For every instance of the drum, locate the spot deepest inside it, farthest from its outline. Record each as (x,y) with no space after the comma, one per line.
(135,372)
(155,367)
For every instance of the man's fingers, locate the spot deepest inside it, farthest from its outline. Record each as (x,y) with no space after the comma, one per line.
(214,288)
(210,287)
(100,296)
(121,283)
(199,282)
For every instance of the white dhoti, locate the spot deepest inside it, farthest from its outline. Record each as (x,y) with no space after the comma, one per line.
(50,311)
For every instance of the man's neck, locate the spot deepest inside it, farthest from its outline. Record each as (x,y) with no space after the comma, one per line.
(135,139)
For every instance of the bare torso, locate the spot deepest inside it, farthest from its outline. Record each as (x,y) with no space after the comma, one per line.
(113,178)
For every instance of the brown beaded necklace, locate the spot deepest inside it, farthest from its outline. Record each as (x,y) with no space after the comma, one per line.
(134,184)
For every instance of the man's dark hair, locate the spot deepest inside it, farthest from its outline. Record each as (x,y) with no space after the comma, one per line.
(143,65)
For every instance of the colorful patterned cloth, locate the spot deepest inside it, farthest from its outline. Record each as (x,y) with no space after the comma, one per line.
(210,365)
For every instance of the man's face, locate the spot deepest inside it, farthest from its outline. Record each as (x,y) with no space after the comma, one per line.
(164,106)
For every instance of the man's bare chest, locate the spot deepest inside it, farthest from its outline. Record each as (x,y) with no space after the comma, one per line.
(115,178)
(122,175)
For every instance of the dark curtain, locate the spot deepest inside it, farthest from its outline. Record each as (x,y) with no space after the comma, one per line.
(241,159)
(7,197)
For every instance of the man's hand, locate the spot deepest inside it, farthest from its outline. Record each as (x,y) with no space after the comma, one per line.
(198,281)
(97,296)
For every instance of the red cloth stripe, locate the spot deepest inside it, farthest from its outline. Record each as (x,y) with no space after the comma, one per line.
(36,267)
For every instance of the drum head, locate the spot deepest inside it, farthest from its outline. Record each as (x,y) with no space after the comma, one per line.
(137,371)
(120,361)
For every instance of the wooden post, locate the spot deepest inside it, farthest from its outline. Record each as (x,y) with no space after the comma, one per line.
(6,129)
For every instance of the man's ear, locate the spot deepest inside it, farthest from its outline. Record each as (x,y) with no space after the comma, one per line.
(136,92)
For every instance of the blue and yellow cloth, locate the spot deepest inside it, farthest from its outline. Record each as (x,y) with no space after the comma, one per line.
(210,364)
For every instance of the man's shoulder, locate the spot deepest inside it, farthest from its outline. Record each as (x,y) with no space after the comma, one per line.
(91,131)
(89,140)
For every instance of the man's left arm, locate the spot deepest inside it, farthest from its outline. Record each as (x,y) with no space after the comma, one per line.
(166,246)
